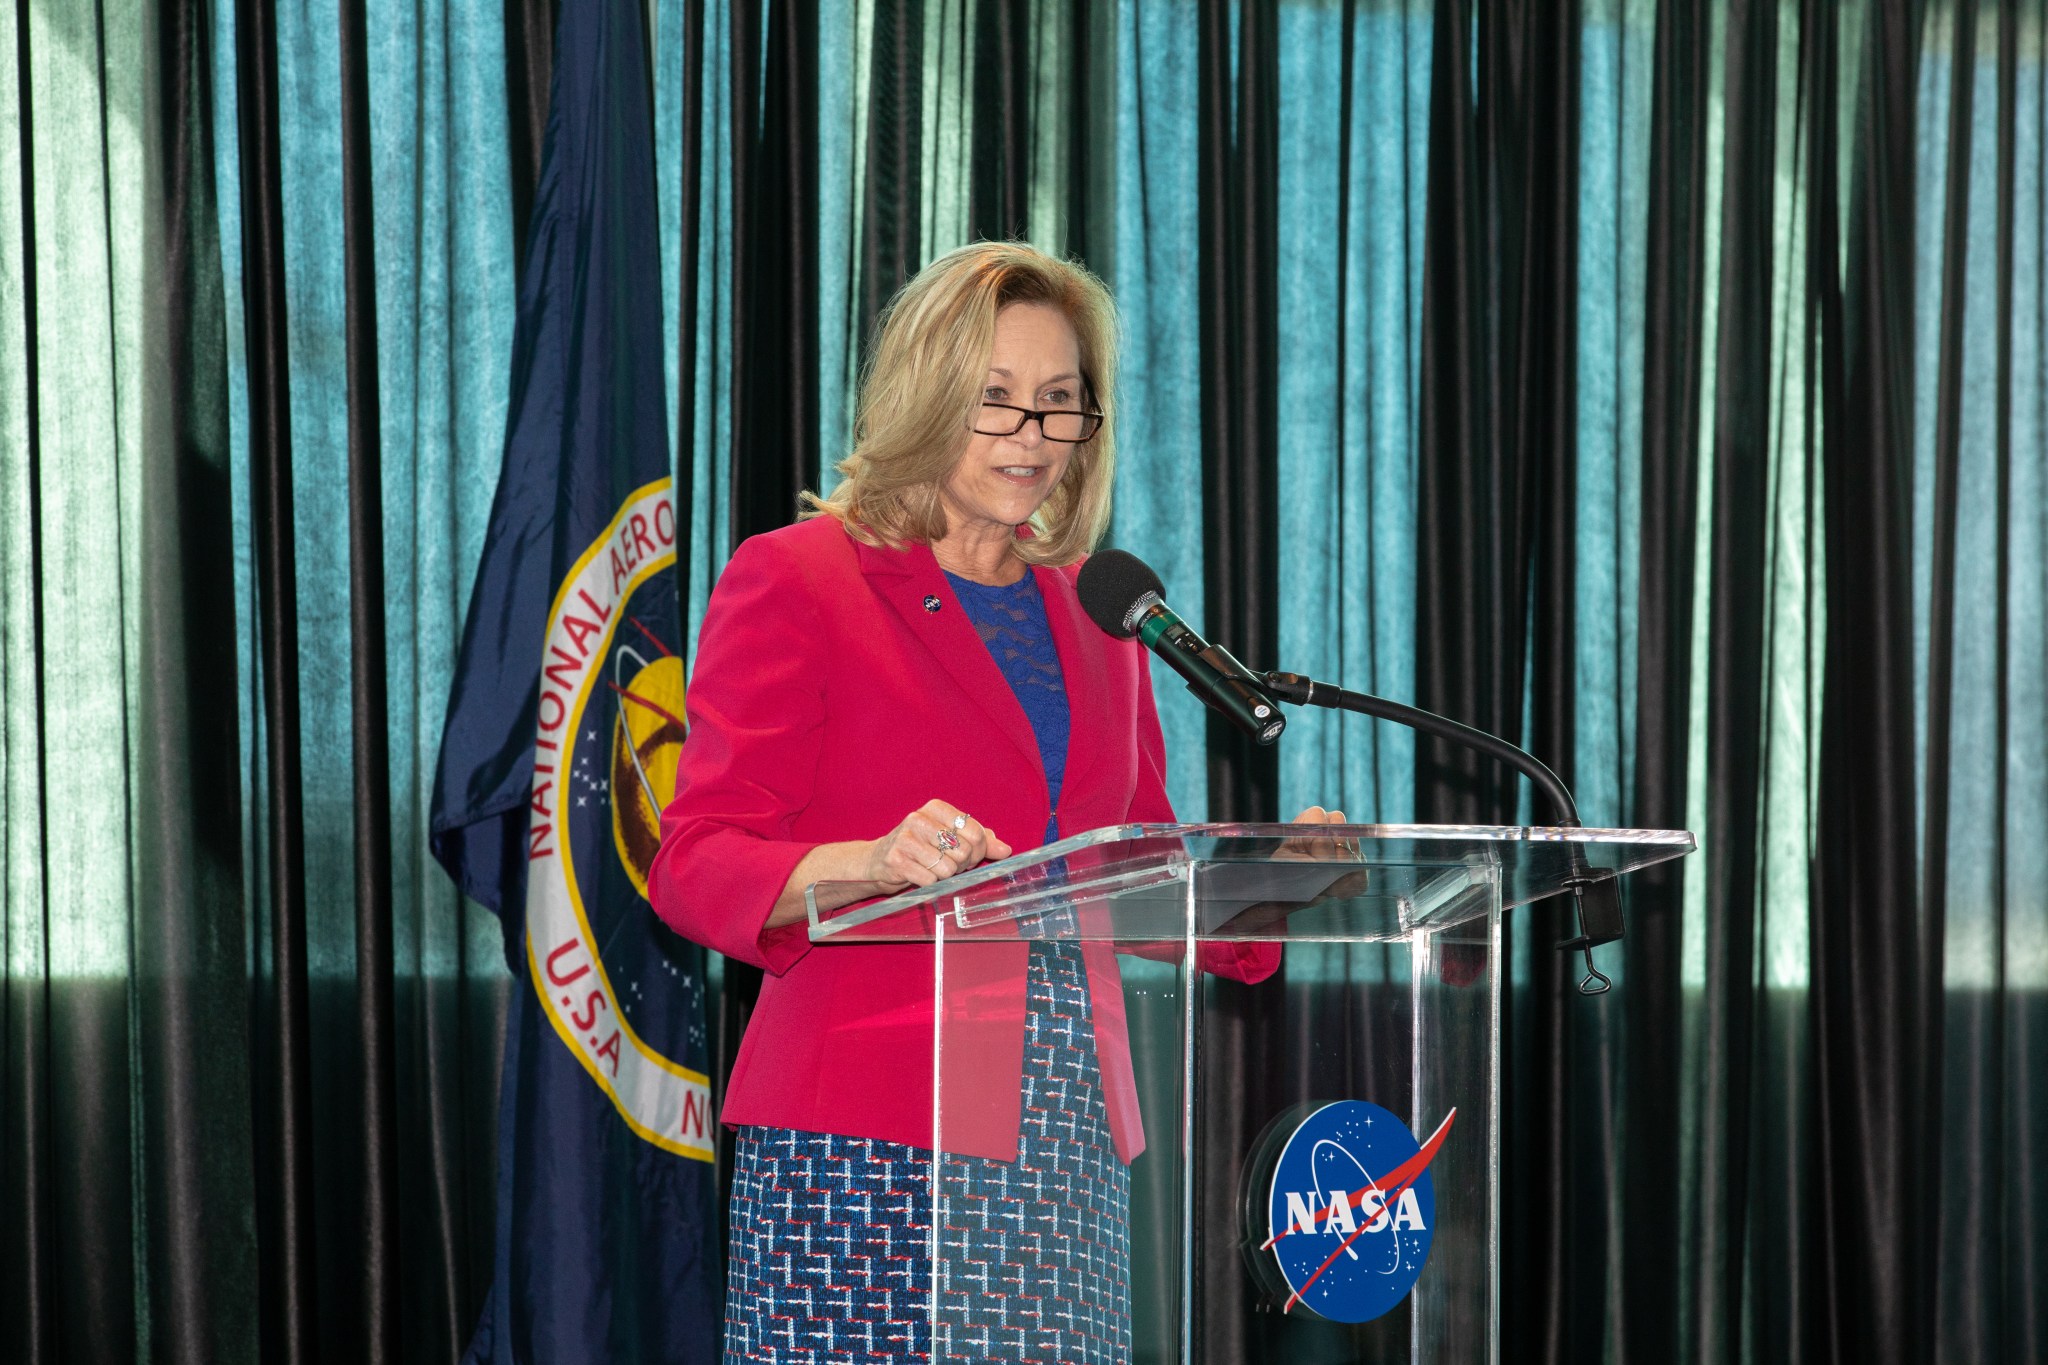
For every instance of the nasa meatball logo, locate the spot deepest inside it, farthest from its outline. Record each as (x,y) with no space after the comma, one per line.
(1350,1211)
(608,739)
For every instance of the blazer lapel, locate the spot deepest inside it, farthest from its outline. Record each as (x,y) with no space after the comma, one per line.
(905,579)
(1084,669)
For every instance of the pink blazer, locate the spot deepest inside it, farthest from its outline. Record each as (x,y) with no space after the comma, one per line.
(828,701)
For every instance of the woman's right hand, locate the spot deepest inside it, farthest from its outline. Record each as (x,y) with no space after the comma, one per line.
(912,854)
(932,843)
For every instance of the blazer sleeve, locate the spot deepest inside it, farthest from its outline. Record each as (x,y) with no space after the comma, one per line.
(756,712)
(1150,805)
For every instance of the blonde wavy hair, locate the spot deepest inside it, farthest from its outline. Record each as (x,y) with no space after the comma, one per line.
(923,381)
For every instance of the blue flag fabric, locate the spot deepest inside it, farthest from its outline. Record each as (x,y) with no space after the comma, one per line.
(563,730)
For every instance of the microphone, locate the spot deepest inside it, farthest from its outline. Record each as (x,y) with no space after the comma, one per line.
(1122,595)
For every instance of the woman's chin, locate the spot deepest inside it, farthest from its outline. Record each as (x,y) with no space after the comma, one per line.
(1010,512)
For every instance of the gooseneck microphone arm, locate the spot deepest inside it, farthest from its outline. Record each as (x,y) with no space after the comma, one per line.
(1597,898)
(1292,687)
(1125,598)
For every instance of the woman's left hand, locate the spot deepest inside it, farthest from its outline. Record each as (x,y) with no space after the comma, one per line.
(1317,850)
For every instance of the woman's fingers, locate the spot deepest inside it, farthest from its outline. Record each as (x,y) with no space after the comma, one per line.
(906,856)
(932,843)
(1320,848)
(952,825)
(915,858)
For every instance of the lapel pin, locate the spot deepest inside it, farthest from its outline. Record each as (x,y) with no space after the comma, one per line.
(931,602)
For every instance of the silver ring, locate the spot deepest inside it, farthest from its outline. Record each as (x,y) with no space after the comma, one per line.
(933,865)
(959,823)
(947,841)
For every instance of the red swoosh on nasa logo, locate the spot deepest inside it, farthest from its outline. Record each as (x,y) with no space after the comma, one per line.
(1395,1181)
(645,704)
(652,638)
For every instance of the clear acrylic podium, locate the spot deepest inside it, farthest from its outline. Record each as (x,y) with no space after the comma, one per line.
(1383,944)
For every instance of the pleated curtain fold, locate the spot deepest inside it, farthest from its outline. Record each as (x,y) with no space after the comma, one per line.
(1658,384)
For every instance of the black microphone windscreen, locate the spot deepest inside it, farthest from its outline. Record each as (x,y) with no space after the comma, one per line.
(1110,584)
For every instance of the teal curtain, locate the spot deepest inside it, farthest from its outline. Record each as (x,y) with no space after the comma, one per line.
(1658,383)
(124,1097)
(1354,190)
(1980,592)
(1159,486)
(445,261)
(693,119)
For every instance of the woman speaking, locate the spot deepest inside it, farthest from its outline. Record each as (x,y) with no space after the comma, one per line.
(881,700)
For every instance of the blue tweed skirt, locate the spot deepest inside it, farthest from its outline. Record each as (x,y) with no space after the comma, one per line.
(830,1258)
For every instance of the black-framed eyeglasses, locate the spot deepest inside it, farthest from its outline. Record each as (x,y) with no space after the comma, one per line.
(1059,424)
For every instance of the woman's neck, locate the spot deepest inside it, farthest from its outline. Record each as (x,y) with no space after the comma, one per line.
(986,557)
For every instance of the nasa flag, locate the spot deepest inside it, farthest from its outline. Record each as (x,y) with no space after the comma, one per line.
(559,752)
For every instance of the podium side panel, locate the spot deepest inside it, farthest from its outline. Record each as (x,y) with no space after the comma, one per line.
(1407,1025)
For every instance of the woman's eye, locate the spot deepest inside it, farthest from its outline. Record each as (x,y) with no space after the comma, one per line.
(994,394)
(1059,398)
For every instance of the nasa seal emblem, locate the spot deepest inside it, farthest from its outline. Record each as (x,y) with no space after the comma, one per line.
(609,736)
(1348,1211)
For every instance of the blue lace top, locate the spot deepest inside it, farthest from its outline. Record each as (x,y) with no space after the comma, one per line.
(1012,623)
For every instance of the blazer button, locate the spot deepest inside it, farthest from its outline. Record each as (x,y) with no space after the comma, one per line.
(931,602)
